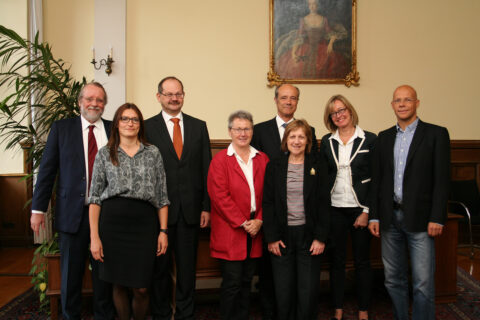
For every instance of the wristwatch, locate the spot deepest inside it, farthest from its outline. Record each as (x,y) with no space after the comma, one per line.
(164,231)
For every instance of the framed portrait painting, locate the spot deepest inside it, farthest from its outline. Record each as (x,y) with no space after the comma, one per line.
(313,41)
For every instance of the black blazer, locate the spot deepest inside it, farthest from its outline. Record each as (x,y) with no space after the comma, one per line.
(315,195)
(426,178)
(64,155)
(186,177)
(360,164)
(266,139)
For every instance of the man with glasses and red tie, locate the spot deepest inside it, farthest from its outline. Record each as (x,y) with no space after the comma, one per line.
(69,154)
(184,144)
(267,137)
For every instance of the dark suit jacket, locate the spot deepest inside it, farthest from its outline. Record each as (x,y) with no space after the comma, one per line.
(315,197)
(426,178)
(187,177)
(266,139)
(64,154)
(361,164)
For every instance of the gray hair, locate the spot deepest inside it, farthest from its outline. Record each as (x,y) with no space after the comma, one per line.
(278,88)
(239,114)
(94,84)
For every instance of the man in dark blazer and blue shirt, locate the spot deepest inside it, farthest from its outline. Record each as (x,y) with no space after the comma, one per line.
(66,156)
(184,144)
(267,137)
(410,186)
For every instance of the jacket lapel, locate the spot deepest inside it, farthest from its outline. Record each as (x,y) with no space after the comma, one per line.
(163,132)
(274,132)
(417,139)
(78,141)
(390,144)
(282,182)
(236,167)
(309,176)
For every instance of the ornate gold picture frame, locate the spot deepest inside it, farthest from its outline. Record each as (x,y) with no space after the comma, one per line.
(313,41)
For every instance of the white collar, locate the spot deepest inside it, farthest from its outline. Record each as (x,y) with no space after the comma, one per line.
(280,121)
(167,117)
(85,124)
(231,151)
(359,133)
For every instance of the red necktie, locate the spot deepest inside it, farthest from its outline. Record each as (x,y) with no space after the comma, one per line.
(177,137)
(92,152)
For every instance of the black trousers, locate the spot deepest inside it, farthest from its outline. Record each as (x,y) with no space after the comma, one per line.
(182,245)
(296,274)
(235,290)
(342,220)
(266,286)
(74,250)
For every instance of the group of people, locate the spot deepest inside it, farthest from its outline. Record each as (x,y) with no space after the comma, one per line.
(136,192)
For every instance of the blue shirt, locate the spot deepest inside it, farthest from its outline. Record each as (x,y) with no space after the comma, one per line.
(400,152)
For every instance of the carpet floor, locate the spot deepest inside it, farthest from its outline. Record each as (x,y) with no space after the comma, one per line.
(467,306)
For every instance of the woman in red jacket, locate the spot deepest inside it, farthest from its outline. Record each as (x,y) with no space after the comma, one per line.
(235,186)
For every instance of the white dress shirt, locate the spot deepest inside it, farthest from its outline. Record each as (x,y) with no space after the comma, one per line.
(343,195)
(170,124)
(247,169)
(100,137)
(280,122)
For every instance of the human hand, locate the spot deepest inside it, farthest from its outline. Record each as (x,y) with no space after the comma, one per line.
(374,228)
(274,247)
(253,226)
(96,248)
(317,247)
(162,243)
(204,219)
(37,220)
(361,221)
(434,229)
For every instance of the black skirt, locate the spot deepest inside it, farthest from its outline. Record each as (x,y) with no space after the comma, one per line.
(128,230)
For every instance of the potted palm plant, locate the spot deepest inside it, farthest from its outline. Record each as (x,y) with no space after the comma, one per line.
(40,90)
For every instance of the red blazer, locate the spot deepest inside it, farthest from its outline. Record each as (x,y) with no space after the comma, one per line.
(230,206)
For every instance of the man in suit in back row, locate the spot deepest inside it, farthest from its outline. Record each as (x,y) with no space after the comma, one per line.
(410,185)
(267,137)
(184,144)
(69,153)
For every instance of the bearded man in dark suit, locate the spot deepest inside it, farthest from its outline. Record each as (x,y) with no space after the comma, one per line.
(184,144)
(69,153)
(410,184)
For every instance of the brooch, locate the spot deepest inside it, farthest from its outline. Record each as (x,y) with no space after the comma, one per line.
(312,172)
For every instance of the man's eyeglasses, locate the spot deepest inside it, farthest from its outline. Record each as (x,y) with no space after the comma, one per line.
(97,100)
(240,130)
(171,95)
(338,113)
(128,119)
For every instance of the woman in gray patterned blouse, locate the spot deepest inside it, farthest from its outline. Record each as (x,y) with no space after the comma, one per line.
(128,199)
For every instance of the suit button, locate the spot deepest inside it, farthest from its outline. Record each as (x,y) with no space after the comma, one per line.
(83,178)
(82,194)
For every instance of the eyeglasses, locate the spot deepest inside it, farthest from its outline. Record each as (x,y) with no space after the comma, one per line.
(171,95)
(128,119)
(406,100)
(338,113)
(241,130)
(97,100)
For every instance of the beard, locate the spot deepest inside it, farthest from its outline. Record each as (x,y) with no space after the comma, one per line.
(91,114)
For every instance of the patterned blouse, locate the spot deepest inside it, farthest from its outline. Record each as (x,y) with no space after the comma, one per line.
(139,177)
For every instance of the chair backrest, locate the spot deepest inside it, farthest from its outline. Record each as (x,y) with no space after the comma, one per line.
(466,191)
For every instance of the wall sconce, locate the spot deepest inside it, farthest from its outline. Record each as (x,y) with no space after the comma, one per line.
(103,62)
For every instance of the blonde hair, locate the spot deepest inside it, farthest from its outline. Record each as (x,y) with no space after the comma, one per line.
(328,109)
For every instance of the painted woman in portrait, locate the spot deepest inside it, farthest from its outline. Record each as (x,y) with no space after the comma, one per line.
(308,52)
